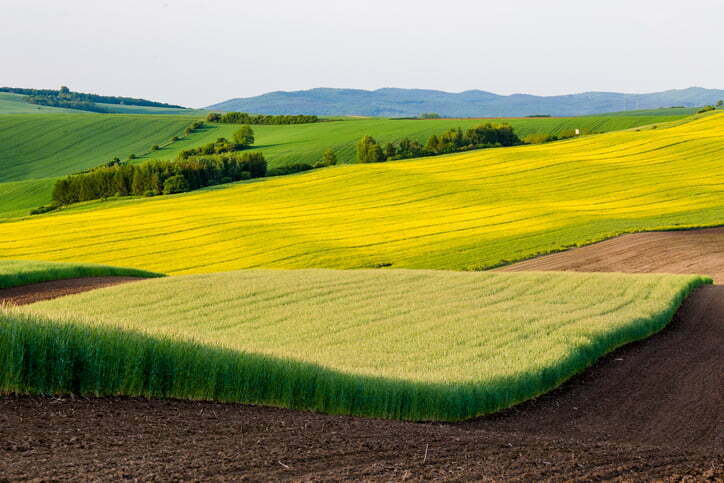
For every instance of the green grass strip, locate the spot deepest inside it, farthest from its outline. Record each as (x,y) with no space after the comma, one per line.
(14,273)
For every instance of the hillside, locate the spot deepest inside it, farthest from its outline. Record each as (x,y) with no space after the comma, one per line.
(70,144)
(14,104)
(390,102)
(466,211)
(39,146)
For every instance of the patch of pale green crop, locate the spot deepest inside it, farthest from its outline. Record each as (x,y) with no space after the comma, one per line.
(420,345)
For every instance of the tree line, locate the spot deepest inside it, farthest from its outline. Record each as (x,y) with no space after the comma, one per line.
(451,141)
(65,93)
(158,177)
(246,118)
(242,139)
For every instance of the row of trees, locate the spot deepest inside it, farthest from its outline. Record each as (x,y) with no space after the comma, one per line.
(157,177)
(246,118)
(242,139)
(65,93)
(54,101)
(451,141)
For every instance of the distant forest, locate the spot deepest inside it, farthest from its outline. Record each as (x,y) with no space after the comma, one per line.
(64,97)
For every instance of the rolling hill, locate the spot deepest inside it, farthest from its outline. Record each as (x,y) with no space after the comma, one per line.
(391,102)
(43,146)
(468,211)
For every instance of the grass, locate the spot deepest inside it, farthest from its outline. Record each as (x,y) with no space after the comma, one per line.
(305,143)
(14,273)
(42,146)
(17,198)
(418,345)
(466,211)
(14,104)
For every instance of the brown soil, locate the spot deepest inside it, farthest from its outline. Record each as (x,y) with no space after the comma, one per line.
(650,410)
(27,294)
(688,251)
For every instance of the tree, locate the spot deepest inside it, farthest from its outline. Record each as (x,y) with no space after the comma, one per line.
(175,184)
(720,103)
(244,136)
(329,158)
(390,151)
(429,115)
(368,151)
(213,117)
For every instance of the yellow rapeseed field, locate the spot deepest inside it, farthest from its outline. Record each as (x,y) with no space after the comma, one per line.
(464,211)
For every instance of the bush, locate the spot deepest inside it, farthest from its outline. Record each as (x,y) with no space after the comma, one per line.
(44,209)
(149,193)
(131,156)
(155,147)
(539,138)
(213,117)
(706,109)
(290,169)
(175,184)
(429,115)
(175,138)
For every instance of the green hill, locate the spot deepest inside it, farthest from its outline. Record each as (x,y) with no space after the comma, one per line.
(46,146)
(41,145)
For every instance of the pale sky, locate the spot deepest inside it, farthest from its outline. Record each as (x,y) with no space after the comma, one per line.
(196,53)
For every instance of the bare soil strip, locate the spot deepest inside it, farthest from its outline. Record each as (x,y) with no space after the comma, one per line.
(650,410)
(687,251)
(27,294)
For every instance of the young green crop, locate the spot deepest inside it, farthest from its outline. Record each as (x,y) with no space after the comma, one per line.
(421,345)
(14,273)
(465,211)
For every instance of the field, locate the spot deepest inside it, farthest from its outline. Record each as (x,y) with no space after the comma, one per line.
(43,147)
(466,211)
(421,345)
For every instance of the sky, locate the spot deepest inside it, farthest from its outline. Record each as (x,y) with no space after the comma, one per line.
(196,53)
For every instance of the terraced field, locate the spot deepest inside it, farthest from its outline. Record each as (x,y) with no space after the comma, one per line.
(399,344)
(466,211)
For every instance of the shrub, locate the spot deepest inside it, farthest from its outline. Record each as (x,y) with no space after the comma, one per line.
(213,117)
(131,156)
(539,138)
(706,109)
(44,209)
(155,147)
(149,193)
(175,138)
(290,169)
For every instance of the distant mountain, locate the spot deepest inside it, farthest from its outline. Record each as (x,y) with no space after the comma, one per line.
(390,102)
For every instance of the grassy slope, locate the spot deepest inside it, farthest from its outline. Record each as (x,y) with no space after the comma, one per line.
(40,146)
(14,273)
(396,344)
(14,104)
(464,211)
(305,143)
